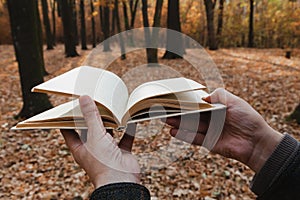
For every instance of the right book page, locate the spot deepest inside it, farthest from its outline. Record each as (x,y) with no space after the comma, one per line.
(161,87)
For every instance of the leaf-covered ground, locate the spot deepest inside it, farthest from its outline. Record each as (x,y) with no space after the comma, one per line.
(38,165)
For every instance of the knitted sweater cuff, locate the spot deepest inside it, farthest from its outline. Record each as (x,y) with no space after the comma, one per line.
(121,191)
(275,165)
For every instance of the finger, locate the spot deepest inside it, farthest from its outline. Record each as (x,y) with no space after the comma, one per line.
(83,135)
(72,139)
(187,136)
(126,142)
(186,123)
(91,114)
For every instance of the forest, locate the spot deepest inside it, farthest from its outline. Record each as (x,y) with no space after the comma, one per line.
(254,46)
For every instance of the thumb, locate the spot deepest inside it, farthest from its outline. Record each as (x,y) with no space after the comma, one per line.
(91,114)
(220,95)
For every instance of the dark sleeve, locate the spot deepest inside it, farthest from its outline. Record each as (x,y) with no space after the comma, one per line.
(279,178)
(121,191)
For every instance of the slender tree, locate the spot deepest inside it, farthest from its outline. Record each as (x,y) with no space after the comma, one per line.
(47,27)
(53,7)
(220,20)
(93,24)
(74,21)
(40,38)
(251,22)
(104,24)
(106,28)
(82,26)
(174,41)
(147,32)
(118,24)
(126,17)
(25,32)
(133,9)
(69,35)
(129,19)
(154,35)
(151,38)
(209,7)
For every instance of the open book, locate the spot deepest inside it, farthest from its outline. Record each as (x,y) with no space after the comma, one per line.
(150,100)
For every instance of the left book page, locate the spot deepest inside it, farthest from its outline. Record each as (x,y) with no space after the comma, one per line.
(64,116)
(106,88)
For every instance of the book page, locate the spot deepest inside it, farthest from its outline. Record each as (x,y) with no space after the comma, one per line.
(65,113)
(161,87)
(103,86)
(171,113)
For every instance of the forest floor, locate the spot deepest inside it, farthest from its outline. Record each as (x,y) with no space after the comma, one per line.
(37,164)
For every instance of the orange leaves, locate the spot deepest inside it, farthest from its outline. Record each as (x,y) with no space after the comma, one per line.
(38,165)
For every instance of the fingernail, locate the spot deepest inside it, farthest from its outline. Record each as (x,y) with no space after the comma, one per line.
(83,100)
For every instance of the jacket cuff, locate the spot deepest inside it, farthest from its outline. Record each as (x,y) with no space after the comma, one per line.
(118,191)
(275,165)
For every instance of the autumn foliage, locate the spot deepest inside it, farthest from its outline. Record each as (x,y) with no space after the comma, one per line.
(276,22)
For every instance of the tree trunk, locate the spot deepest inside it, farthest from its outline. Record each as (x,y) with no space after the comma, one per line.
(93,24)
(74,20)
(251,28)
(106,30)
(47,25)
(174,47)
(126,18)
(154,36)
(53,7)
(82,26)
(40,39)
(58,7)
(146,29)
(133,8)
(121,41)
(209,7)
(113,22)
(220,20)
(25,33)
(69,36)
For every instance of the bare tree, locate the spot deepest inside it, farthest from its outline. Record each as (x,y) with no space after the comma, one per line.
(25,32)
(93,24)
(82,26)
(174,46)
(47,27)
(209,7)
(69,35)
(220,20)
(53,8)
(117,18)
(104,12)
(251,22)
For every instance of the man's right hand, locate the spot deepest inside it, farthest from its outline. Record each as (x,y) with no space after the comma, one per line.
(246,136)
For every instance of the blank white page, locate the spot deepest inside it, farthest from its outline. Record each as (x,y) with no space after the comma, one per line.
(103,86)
(161,87)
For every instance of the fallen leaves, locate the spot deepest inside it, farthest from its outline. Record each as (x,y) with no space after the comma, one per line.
(38,165)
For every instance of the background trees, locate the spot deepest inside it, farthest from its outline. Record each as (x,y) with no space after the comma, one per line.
(213,23)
